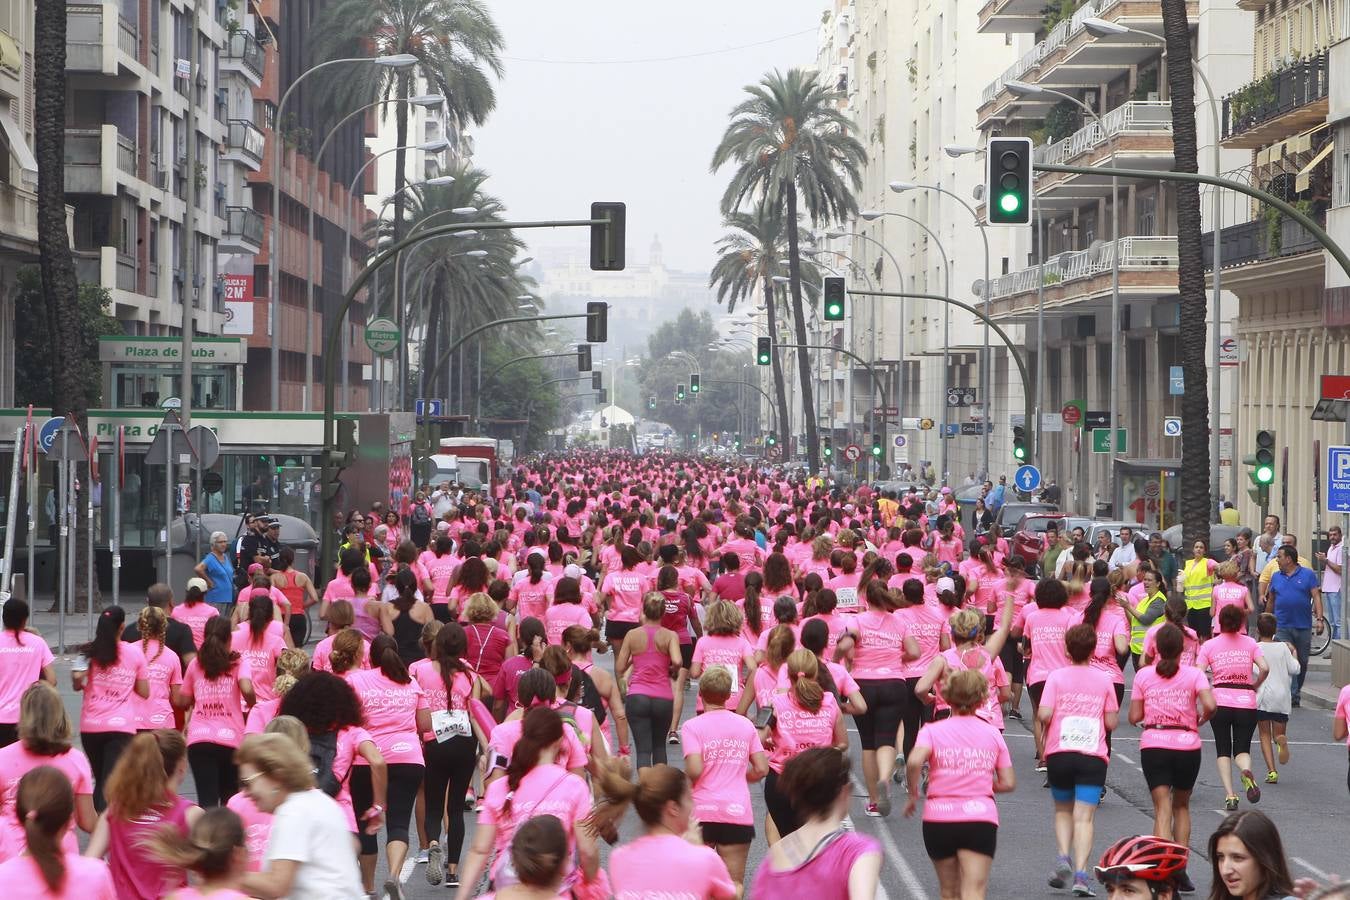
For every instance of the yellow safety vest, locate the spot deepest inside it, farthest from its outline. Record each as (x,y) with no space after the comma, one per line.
(1138,630)
(1199,583)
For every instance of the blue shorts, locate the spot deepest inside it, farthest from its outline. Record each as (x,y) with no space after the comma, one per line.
(1075,777)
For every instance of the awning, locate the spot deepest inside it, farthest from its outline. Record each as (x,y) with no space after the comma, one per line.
(1304,178)
(18,148)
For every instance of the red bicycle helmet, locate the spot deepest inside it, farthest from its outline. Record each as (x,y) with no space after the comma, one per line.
(1143,856)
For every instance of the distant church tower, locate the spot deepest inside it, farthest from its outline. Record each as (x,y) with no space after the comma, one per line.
(654,254)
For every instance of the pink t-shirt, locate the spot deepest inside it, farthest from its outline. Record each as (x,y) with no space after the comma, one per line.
(562,616)
(1110,625)
(728,651)
(506,735)
(391,714)
(262,656)
(843,681)
(798,728)
(16,762)
(1230,659)
(1080,696)
(880,646)
(669,867)
(838,624)
(86,879)
(995,675)
(1343,708)
(440,569)
(195,618)
(349,741)
(425,673)
(191,893)
(625,588)
(532,599)
(218,705)
(966,753)
(22,657)
(1170,717)
(926,623)
(257,830)
(845,589)
(1229,593)
(1045,628)
(726,742)
(164,670)
(823,876)
(545,790)
(110,699)
(323,654)
(1190,643)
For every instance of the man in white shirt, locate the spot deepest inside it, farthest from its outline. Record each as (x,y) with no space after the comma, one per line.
(442,501)
(1270,528)
(1123,555)
(1334,560)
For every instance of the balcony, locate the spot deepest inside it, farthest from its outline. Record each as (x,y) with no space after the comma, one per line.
(1011,16)
(99,39)
(1277,105)
(96,158)
(106,267)
(243,54)
(1134,135)
(1268,238)
(243,230)
(1076,283)
(245,143)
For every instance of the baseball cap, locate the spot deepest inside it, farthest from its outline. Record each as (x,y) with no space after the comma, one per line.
(945,584)
(198,583)
(255,567)
(573,571)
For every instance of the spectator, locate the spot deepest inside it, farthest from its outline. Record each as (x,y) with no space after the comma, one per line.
(1124,555)
(1296,600)
(1265,552)
(1334,560)
(1228,515)
(1273,564)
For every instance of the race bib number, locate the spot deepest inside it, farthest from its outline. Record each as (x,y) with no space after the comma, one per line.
(1081,734)
(450,723)
(847,597)
(735,673)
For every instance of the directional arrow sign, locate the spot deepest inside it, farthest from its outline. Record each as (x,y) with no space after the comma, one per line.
(1027,478)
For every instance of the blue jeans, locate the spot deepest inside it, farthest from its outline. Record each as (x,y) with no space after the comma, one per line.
(1331,603)
(1301,638)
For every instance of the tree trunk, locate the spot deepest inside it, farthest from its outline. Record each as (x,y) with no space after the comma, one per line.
(803,355)
(780,388)
(1196,503)
(400,159)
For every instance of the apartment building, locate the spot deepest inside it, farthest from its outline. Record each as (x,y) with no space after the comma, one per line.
(1062,269)
(18,172)
(426,125)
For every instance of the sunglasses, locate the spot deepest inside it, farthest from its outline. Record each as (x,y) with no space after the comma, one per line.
(1109,876)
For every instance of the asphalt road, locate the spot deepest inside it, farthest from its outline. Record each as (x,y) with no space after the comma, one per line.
(1311,805)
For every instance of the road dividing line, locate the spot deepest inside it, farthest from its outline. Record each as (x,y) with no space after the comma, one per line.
(911,881)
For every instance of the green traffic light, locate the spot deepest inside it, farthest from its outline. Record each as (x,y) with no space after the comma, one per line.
(1020,452)
(1265,474)
(1009,203)
(834,310)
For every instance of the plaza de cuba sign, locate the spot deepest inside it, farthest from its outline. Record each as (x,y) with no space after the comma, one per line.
(205,350)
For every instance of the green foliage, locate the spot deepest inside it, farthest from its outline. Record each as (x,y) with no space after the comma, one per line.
(665,366)
(516,393)
(1058,11)
(1063,119)
(35,352)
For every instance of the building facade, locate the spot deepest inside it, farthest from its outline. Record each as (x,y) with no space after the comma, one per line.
(18,172)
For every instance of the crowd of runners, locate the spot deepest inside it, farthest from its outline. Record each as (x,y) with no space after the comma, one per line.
(457,677)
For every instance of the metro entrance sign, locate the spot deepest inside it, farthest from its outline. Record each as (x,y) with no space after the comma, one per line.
(383,336)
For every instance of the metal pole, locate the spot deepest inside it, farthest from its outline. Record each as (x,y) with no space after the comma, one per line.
(89,563)
(11,513)
(32,474)
(63,546)
(168,428)
(115,527)
(1040,328)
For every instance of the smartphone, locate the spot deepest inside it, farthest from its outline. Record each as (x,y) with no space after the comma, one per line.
(764,717)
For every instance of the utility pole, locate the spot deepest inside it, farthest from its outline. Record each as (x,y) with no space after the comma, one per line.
(188,243)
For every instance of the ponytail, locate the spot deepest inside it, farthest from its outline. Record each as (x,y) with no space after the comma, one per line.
(655,787)
(1169,642)
(753,616)
(535,563)
(215,656)
(541,727)
(345,655)
(448,651)
(803,670)
(208,850)
(152,624)
(102,650)
(45,805)
(16,617)
(384,654)
(259,617)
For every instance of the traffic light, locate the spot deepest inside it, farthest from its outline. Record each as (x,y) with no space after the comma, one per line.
(1020,443)
(826,447)
(738,440)
(770,439)
(651,403)
(834,299)
(607,241)
(1008,181)
(340,457)
(596,380)
(583,357)
(693,383)
(603,396)
(679,392)
(763,351)
(877,448)
(1262,467)
(597,321)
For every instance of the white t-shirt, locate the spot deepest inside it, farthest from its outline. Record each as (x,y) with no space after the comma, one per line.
(309,828)
(1122,556)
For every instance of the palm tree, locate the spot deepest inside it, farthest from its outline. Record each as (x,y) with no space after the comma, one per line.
(788,138)
(747,259)
(1195,461)
(456,43)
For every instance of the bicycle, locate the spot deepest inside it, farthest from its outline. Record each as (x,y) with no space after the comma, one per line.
(1320,640)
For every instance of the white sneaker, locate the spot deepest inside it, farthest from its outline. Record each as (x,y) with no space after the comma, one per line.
(423,856)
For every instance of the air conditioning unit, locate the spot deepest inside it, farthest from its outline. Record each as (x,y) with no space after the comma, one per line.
(1154,96)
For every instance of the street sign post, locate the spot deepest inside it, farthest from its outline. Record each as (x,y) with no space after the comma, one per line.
(1176,380)
(852,453)
(1096,418)
(959,396)
(47,434)
(425,408)
(1072,414)
(1101,441)
(383,336)
(900,440)
(1027,478)
(1338,478)
(1171,426)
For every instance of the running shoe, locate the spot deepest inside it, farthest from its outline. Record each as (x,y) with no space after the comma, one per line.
(1063,874)
(1253,790)
(1184,883)
(1282,744)
(1230,802)
(1081,886)
(883,803)
(1272,777)
(1014,713)
(452,880)
(470,801)
(1040,766)
(435,864)
(393,890)
(898,776)
(872,812)
(672,738)
(423,856)
(1102,798)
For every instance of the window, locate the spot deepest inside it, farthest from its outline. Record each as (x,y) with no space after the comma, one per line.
(1342,173)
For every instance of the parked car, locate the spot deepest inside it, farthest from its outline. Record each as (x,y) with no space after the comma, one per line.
(1028,539)
(1217,535)
(1010,514)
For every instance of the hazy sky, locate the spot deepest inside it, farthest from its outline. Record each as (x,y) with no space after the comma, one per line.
(566,134)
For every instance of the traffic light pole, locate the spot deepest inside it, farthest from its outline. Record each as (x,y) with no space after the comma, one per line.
(478,407)
(871,371)
(773,416)
(1028,393)
(440,361)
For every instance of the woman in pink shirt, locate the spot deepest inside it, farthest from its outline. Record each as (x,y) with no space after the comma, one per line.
(1044,624)
(489,643)
(820,860)
(534,785)
(845,584)
(340,618)
(1023,591)
(653,654)
(1175,612)
(24,659)
(970,650)
(365,605)
(621,593)
(48,871)
(194,611)
(114,680)
(1229,657)
(1229,592)
(723,646)
(825,608)
(216,686)
(925,621)
(723,754)
(968,763)
(439,563)
(661,862)
(1078,711)
(44,740)
(396,713)
(530,595)
(259,641)
(1171,701)
(163,669)
(212,851)
(804,716)
(567,610)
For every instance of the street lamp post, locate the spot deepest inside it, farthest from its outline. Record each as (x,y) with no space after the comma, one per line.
(395,61)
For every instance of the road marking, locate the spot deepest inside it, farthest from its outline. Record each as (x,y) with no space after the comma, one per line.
(893,853)
(881,893)
(1311,868)
(409,865)
(1125,759)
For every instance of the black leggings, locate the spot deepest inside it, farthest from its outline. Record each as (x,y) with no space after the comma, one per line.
(777,805)
(103,748)
(1233,730)
(214,773)
(299,625)
(649,720)
(914,717)
(449,771)
(404,780)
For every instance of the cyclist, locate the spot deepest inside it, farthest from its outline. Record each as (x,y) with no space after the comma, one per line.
(1142,866)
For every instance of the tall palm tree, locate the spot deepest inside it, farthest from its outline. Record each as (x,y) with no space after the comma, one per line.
(748,257)
(456,43)
(1195,462)
(790,138)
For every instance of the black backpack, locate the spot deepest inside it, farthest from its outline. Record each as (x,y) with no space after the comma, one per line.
(588,695)
(322,753)
(420,516)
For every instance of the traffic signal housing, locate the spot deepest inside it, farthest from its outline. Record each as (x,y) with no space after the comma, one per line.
(651,403)
(834,293)
(877,448)
(693,383)
(607,240)
(770,439)
(597,321)
(340,457)
(583,357)
(679,392)
(763,351)
(1261,465)
(1008,181)
(597,380)
(826,448)
(1020,452)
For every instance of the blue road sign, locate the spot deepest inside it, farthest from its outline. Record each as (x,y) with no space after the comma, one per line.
(47,433)
(1176,380)
(1027,478)
(1338,479)
(429,408)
